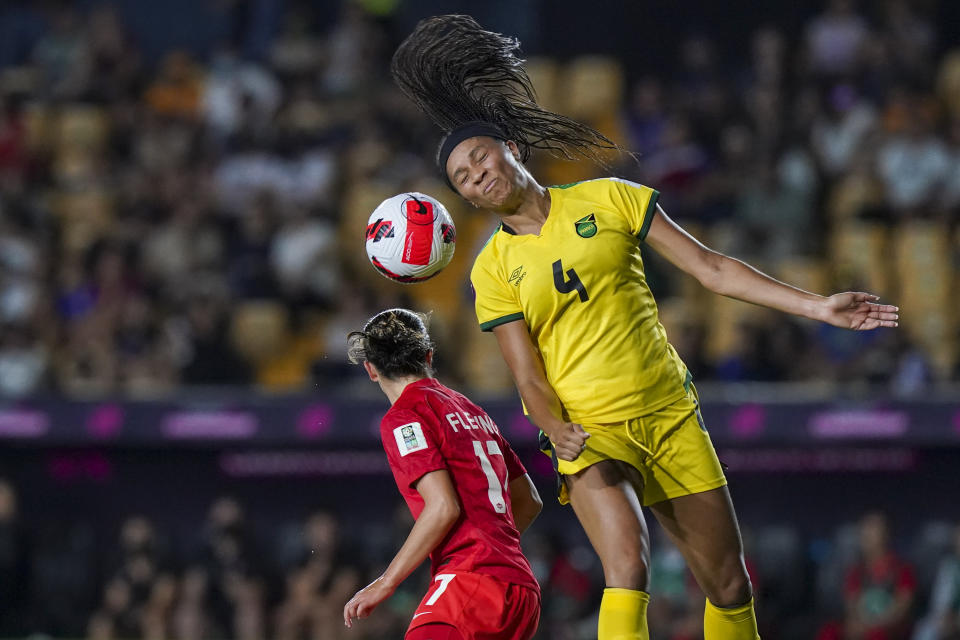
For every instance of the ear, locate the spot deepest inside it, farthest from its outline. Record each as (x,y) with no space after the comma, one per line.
(514,149)
(371,371)
(430,357)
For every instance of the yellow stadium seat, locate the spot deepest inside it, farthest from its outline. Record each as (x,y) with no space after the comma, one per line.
(860,258)
(40,125)
(809,274)
(854,193)
(545,75)
(85,216)
(594,88)
(82,127)
(289,369)
(258,329)
(927,284)
(74,166)
(726,315)
(948,82)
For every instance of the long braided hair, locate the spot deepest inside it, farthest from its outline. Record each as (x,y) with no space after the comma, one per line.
(458,73)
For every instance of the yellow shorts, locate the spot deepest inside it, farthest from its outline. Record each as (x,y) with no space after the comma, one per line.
(669,447)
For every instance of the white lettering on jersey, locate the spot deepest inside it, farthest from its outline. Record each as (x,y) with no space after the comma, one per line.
(487,424)
(454,421)
(410,438)
(471,423)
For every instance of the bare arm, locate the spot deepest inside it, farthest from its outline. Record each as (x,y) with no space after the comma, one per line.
(538,396)
(736,279)
(898,611)
(524,501)
(440,511)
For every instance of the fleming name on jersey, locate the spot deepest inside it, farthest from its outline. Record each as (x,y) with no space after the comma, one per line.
(432,427)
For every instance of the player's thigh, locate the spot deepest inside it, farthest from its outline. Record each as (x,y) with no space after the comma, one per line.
(605,498)
(433,632)
(704,528)
(682,458)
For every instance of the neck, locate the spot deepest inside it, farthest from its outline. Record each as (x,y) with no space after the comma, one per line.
(529,210)
(394,387)
(873,555)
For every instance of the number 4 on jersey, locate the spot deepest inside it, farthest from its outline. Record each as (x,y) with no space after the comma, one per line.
(566,286)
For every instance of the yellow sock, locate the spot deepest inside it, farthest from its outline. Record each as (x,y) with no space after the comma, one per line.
(623,615)
(738,623)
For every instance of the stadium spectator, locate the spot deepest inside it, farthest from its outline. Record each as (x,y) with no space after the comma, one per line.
(15,560)
(914,163)
(846,122)
(147,195)
(139,594)
(942,621)
(879,589)
(834,39)
(193,166)
(228,572)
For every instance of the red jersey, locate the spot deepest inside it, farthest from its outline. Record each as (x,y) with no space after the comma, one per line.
(431,427)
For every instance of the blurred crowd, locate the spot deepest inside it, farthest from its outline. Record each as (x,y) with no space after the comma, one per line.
(198,220)
(230,577)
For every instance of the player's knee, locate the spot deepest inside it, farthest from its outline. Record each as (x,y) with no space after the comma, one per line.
(628,570)
(731,588)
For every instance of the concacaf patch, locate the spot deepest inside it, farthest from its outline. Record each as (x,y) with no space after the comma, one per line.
(410,438)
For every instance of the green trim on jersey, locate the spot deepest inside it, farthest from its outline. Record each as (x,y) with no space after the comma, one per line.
(496,322)
(648,216)
(499,226)
(568,185)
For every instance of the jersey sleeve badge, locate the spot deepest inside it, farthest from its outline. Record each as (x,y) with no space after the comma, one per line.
(410,438)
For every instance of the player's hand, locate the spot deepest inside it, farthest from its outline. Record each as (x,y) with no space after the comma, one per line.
(569,440)
(366,600)
(858,311)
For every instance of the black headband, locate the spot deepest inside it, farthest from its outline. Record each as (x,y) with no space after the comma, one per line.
(458,135)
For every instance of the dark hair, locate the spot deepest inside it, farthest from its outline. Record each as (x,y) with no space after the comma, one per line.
(458,73)
(395,341)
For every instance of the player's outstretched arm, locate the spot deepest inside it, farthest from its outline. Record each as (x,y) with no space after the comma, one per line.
(524,501)
(736,279)
(540,399)
(440,512)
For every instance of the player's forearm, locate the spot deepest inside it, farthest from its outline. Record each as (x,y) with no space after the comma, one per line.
(541,402)
(525,502)
(897,613)
(736,279)
(434,523)
(524,518)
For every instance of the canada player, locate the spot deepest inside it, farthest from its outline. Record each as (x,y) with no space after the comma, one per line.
(467,490)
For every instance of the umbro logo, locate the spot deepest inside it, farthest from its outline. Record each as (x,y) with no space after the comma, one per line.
(517,275)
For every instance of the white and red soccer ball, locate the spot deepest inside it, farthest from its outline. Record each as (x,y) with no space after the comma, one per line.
(410,237)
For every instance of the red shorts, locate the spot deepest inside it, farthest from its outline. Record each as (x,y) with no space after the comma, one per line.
(479,607)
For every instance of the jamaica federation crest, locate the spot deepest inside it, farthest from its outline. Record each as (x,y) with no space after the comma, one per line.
(587,226)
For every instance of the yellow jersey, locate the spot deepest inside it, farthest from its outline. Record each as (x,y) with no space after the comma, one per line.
(580,287)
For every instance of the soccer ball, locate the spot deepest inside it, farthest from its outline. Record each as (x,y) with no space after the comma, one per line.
(410,237)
